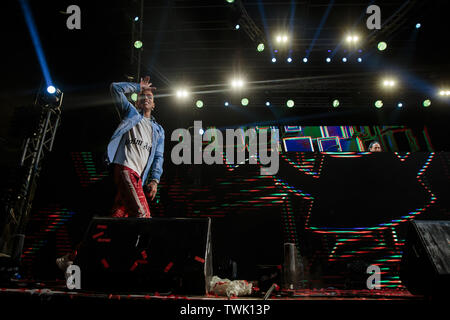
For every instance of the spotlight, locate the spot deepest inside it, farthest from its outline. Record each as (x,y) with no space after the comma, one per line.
(282,38)
(352,38)
(289,60)
(136,18)
(230,1)
(379,104)
(268,103)
(427,103)
(182,93)
(418,25)
(400,105)
(244,102)
(389,83)
(274,60)
(236,27)
(382,46)
(51,89)
(226,104)
(260,47)
(290,103)
(344,59)
(328,60)
(237,83)
(199,104)
(359,59)
(51,97)
(305,60)
(138,44)
(444,92)
(201,131)
(336,103)
(134,96)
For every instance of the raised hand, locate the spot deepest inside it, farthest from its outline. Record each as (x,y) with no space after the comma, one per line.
(146,84)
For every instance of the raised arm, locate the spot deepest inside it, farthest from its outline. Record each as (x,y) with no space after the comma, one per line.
(118,91)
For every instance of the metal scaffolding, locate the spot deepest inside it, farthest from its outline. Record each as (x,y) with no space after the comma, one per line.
(34,150)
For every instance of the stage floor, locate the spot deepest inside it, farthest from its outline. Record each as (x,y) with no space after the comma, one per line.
(49,296)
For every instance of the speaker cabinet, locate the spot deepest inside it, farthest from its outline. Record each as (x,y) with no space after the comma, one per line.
(425,264)
(164,255)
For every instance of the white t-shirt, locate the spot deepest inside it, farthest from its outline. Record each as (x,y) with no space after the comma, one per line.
(134,147)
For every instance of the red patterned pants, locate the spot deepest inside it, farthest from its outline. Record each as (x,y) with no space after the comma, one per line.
(130,200)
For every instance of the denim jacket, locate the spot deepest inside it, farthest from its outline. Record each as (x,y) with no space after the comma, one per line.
(130,117)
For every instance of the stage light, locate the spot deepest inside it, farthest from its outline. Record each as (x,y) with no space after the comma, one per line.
(230,1)
(344,59)
(282,38)
(182,93)
(244,101)
(336,103)
(274,60)
(379,104)
(236,27)
(199,104)
(134,96)
(51,97)
(136,18)
(267,103)
(418,25)
(352,39)
(201,131)
(328,60)
(389,83)
(260,47)
(305,60)
(427,103)
(226,104)
(237,83)
(138,44)
(400,105)
(289,60)
(382,46)
(290,103)
(51,89)
(444,92)
(359,59)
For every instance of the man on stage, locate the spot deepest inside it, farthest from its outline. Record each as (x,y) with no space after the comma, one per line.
(135,150)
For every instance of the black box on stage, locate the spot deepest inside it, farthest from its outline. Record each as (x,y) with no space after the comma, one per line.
(147,255)
(425,264)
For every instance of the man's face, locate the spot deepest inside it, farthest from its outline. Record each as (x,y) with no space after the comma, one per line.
(375,148)
(145,101)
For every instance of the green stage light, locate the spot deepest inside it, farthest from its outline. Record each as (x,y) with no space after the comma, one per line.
(138,44)
(382,46)
(290,103)
(379,104)
(260,47)
(336,103)
(134,96)
(427,103)
(244,101)
(199,104)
